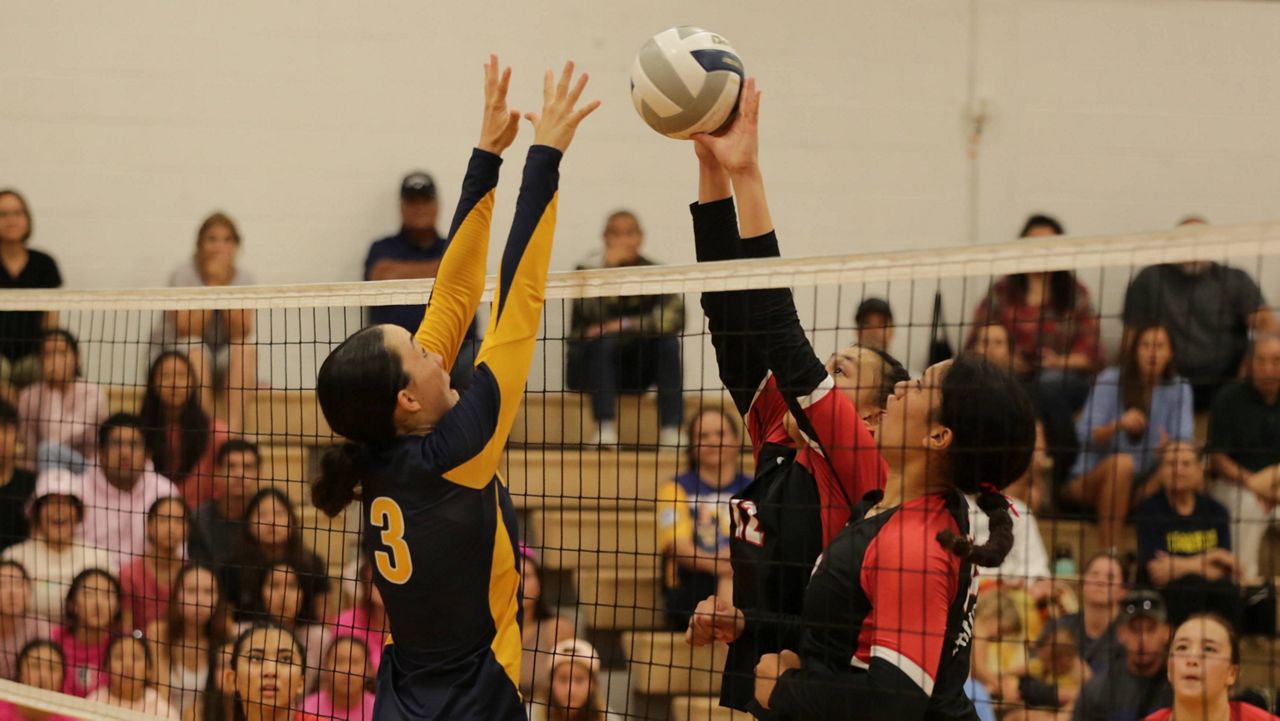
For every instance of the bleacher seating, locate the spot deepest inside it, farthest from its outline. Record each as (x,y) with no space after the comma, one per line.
(704,708)
(662,664)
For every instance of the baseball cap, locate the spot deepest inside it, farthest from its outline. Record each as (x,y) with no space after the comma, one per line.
(418,185)
(58,482)
(1143,603)
(575,649)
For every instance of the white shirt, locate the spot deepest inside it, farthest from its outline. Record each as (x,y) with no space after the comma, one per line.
(51,573)
(1028,560)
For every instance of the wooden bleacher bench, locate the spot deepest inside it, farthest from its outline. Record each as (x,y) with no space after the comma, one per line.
(627,597)
(564,418)
(662,664)
(704,708)
(594,537)
(571,476)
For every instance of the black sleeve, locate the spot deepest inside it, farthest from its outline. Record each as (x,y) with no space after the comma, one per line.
(773,630)
(882,693)
(778,331)
(742,365)
(1037,693)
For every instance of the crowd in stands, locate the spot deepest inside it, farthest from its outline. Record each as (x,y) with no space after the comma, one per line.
(142,553)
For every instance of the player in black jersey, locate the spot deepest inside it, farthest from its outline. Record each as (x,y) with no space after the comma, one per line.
(887,615)
(441,526)
(803,492)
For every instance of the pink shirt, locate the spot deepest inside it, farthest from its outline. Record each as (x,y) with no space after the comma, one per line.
(70,417)
(144,597)
(355,622)
(321,704)
(116,519)
(84,663)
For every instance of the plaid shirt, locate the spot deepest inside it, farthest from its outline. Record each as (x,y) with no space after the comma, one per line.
(1034,328)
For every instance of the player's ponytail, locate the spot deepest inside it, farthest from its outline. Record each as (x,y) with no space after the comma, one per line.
(357,388)
(993,434)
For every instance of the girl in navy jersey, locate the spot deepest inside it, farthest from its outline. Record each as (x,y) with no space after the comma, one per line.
(809,424)
(887,616)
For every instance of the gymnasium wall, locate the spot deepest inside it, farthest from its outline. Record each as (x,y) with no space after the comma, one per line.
(125,123)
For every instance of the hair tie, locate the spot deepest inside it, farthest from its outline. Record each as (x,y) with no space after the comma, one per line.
(990,488)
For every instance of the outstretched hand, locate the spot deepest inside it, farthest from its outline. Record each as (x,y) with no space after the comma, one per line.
(559,119)
(500,125)
(736,148)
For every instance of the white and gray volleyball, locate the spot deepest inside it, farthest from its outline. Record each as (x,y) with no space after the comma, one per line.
(686,80)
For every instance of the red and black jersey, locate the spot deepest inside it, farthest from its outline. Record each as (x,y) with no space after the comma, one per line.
(800,497)
(888,620)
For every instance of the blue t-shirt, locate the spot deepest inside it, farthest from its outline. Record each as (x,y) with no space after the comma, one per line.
(1169,416)
(401,247)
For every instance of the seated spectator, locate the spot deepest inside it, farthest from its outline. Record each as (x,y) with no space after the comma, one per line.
(22,267)
(1052,679)
(1184,541)
(120,488)
(60,413)
(574,692)
(148,578)
(195,625)
(218,525)
(129,669)
(874,321)
(991,341)
(219,343)
(542,629)
(626,343)
(1030,488)
(367,619)
(55,553)
(999,641)
(415,252)
(1093,627)
(40,665)
(1204,665)
(1131,687)
(1053,330)
(1209,310)
(1027,564)
(16,484)
(345,681)
(287,597)
(694,515)
(260,650)
(1132,411)
(93,615)
(272,533)
(17,625)
(1244,448)
(182,438)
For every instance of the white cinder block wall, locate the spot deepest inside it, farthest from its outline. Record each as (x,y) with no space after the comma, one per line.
(126,123)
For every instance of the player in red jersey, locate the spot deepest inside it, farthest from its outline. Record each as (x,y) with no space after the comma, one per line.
(803,491)
(1204,663)
(887,616)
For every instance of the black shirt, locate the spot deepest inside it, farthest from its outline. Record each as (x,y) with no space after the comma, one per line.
(13,507)
(20,329)
(1097,652)
(1118,695)
(215,539)
(1162,528)
(1244,427)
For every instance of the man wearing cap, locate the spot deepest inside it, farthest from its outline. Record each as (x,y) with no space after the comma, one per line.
(1136,685)
(415,252)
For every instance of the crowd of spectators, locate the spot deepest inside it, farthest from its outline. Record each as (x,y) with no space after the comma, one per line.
(136,549)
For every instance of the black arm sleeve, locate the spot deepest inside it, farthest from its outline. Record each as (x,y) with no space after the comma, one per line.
(779,334)
(773,630)
(742,364)
(882,693)
(1037,693)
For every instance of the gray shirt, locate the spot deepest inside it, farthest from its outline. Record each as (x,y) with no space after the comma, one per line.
(1118,695)
(1207,314)
(187,275)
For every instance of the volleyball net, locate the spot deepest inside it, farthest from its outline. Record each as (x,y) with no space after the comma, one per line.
(621,489)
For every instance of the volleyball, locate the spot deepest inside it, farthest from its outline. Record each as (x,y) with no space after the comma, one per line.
(685,80)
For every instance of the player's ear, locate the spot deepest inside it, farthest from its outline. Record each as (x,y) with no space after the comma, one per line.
(939,438)
(406,403)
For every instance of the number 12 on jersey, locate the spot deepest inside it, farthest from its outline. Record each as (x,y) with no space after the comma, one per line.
(396,566)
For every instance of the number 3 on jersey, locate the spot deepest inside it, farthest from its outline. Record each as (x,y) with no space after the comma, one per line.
(395,566)
(746,526)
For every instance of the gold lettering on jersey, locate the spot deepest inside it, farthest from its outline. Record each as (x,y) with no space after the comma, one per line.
(1190,543)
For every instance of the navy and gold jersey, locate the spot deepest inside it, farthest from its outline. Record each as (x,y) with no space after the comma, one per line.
(439,524)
